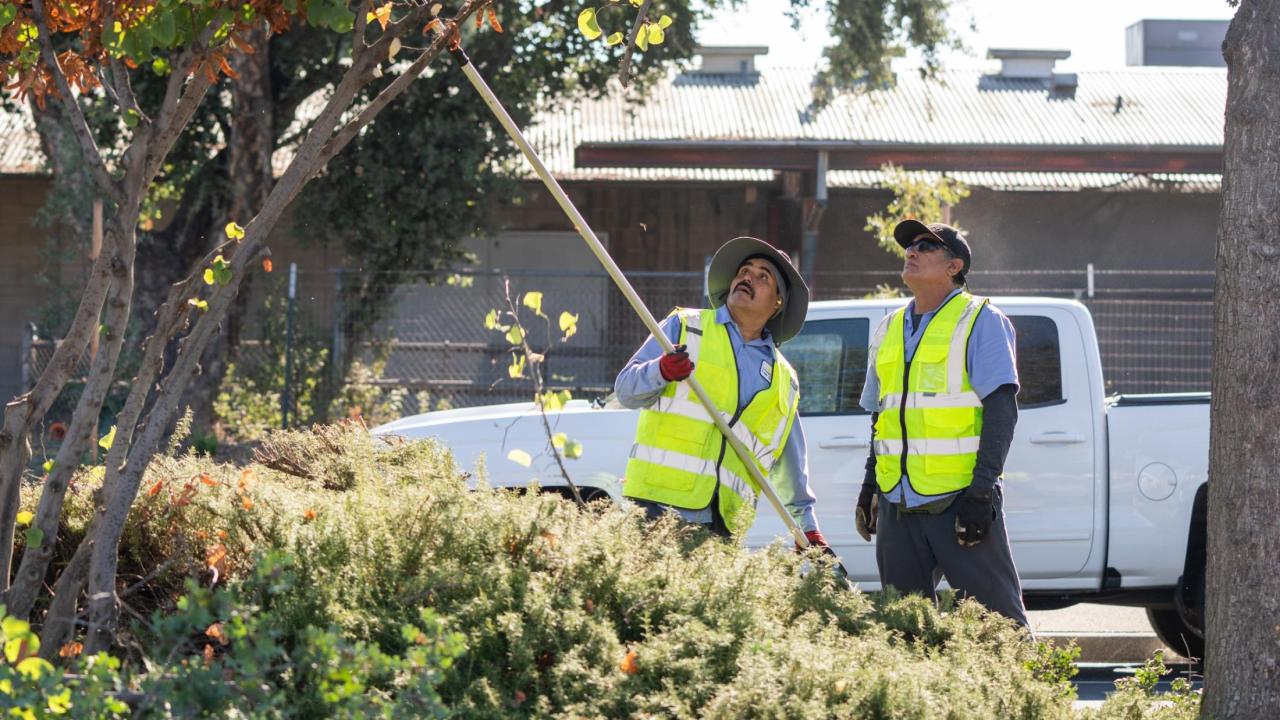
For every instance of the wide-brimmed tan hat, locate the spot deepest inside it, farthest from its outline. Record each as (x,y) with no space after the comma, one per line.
(724,267)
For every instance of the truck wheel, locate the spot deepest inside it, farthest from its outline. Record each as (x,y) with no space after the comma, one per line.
(1175,633)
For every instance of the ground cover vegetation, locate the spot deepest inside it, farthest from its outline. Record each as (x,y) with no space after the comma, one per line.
(337,576)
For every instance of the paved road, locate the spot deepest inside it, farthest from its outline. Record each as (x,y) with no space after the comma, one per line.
(1097,680)
(1118,638)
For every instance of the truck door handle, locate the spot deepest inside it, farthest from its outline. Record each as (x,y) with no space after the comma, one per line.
(1057,438)
(844,441)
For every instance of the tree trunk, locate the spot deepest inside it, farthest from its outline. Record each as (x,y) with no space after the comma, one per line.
(1242,673)
(249,149)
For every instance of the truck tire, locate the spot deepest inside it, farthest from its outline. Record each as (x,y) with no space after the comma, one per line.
(1175,633)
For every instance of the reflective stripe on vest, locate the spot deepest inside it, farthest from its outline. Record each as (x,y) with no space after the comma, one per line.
(679,457)
(930,422)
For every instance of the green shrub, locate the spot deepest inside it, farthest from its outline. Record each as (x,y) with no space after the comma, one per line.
(562,612)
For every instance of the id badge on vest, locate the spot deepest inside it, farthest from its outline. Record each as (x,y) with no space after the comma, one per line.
(766,371)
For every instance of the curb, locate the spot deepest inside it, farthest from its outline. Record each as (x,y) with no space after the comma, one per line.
(1111,647)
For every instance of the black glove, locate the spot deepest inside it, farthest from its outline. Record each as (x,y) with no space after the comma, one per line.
(868,510)
(975,510)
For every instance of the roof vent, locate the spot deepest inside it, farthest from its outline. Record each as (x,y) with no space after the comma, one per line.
(729,59)
(1027,64)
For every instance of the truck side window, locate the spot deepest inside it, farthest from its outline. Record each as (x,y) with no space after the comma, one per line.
(1039,360)
(830,356)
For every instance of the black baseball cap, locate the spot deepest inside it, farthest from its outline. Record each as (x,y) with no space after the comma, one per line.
(909,230)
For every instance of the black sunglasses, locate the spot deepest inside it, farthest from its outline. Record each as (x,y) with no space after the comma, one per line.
(925,245)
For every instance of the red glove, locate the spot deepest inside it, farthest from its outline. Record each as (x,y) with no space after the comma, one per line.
(815,539)
(676,365)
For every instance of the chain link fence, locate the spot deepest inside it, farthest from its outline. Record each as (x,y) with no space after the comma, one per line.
(423,339)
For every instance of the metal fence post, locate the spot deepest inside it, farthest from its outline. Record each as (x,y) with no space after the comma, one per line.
(28,357)
(335,347)
(286,399)
(1089,274)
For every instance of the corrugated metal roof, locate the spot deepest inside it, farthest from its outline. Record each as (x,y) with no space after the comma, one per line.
(20,152)
(1133,107)
(1139,107)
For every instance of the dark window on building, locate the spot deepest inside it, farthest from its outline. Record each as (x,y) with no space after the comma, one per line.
(1039,360)
(831,358)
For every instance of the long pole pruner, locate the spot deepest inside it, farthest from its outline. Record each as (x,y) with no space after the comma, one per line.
(579,223)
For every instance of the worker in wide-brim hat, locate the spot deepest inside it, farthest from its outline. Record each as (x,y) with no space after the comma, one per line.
(680,462)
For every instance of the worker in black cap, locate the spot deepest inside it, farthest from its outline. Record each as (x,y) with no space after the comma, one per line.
(680,462)
(942,385)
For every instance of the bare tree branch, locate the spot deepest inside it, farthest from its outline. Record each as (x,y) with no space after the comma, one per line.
(75,116)
(624,69)
(344,136)
(181,100)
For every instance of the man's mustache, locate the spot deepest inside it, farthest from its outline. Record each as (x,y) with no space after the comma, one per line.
(745,284)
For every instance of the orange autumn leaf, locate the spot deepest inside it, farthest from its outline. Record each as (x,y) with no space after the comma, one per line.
(493,19)
(204,478)
(266,265)
(222,534)
(628,664)
(245,477)
(382,15)
(479,20)
(208,655)
(309,515)
(155,488)
(246,503)
(433,25)
(216,556)
(214,631)
(71,649)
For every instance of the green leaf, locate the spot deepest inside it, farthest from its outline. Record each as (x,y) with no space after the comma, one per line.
(165,30)
(60,703)
(131,118)
(554,401)
(234,231)
(520,457)
(208,276)
(14,628)
(664,22)
(516,368)
(587,24)
(557,440)
(35,667)
(198,304)
(642,37)
(533,301)
(48,466)
(568,325)
(614,39)
(515,335)
(103,329)
(24,518)
(656,36)
(107,440)
(7,14)
(160,66)
(35,536)
(572,449)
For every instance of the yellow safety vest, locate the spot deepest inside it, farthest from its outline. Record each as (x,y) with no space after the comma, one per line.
(930,420)
(679,455)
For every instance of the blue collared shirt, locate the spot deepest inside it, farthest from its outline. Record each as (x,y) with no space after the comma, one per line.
(640,383)
(991,361)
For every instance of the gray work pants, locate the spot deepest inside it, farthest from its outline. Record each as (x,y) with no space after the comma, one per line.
(915,550)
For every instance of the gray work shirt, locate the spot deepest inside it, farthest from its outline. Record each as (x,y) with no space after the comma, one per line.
(991,361)
(640,383)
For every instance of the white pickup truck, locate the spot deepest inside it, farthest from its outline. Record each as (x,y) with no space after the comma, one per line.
(1105,496)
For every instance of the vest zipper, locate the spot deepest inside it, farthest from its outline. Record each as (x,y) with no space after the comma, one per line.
(902,410)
